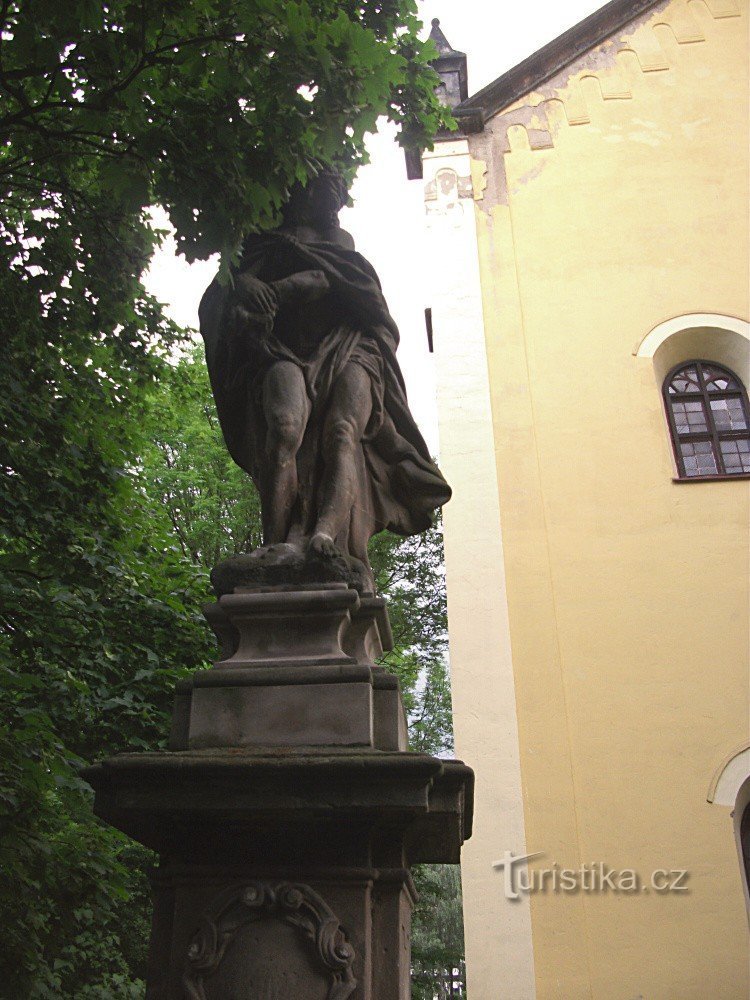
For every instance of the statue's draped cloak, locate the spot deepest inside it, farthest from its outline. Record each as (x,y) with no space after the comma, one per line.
(399,485)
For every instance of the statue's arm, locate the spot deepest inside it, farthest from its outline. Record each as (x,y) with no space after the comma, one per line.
(258,296)
(304,286)
(256,302)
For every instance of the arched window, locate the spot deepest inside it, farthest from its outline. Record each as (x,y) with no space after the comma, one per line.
(730,786)
(709,419)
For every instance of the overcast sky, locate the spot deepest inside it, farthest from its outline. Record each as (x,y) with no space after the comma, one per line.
(387,218)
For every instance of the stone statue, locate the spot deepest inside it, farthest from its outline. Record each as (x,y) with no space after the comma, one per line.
(290,754)
(301,352)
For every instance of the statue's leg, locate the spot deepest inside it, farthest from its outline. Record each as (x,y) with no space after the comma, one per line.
(286,408)
(348,413)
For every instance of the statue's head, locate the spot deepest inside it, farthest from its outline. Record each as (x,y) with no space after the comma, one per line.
(319,202)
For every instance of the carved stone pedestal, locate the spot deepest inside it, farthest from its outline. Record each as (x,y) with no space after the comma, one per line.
(287,812)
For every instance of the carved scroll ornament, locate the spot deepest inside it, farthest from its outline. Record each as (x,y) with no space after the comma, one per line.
(291,903)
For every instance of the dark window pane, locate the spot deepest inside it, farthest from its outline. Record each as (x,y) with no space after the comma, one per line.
(717,380)
(685,380)
(728,414)
(698,462)
(735,459)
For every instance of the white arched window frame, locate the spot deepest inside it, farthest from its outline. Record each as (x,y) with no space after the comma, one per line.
(710,337)
(730,787)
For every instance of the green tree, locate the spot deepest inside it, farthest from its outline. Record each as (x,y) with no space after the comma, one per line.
(209,108)
(98,620)
(212,507)
(438,968)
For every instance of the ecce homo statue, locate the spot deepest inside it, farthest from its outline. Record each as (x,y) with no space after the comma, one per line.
(301,351)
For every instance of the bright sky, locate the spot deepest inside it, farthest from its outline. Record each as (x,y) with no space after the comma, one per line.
(387,218)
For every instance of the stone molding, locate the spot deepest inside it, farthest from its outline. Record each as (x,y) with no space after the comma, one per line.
(169,801)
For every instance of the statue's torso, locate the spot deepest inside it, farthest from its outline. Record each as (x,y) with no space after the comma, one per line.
(303,326)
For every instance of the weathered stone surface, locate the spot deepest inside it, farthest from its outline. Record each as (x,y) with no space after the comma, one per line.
(293,565)
(282,715)
(286,813)
(286,626)
(369,634)
(389,722)
(343,826)
(172,801)
(296,671)
(367,912)
(264,938)
(365,638)
(347,705)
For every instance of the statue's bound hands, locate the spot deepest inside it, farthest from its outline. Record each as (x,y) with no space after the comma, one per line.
(256,302)
(254,307)
(255,296)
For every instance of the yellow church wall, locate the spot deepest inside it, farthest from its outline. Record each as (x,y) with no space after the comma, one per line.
(627,592)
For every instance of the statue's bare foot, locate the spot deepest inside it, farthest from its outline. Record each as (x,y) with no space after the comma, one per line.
(323,545)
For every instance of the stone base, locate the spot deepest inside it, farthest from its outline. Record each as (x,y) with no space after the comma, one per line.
(348,706)
(287,813)
(297,671)
(285,876)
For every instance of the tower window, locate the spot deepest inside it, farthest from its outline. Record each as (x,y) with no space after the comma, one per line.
(709,418)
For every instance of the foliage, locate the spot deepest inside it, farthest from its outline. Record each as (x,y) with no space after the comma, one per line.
(94,595)
(409,572)
(438,971)
(212,508)
(209,108)
(80,563)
